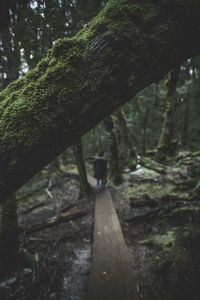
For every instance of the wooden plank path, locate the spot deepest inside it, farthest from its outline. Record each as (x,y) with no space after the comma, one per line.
(112,275)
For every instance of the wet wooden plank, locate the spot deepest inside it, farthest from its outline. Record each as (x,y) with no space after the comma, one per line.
(112,276)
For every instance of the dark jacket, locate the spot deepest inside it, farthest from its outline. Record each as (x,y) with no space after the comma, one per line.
(100,168)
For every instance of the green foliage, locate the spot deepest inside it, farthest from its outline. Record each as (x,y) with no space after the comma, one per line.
(165,241)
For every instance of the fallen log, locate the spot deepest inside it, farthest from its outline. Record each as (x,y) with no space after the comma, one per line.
(67,207)
(144,200)
(152,165)
(186,155)
(140,215)
(147,201)
(53,221)
(30,209)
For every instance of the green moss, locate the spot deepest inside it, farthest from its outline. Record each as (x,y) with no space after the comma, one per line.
(153,190)
(117,17)
(98,24)
(39,89)
(61,47)
(166,241)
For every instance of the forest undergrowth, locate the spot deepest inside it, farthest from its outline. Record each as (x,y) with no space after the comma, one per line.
(159,214)
(161,226)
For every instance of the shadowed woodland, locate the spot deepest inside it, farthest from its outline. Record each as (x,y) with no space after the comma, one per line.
(80,77)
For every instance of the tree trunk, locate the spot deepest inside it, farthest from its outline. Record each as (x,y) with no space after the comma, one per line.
(185,122)
(128,46)
(168,139)
(9,239)
(145,121)
(114,170)
(78,154)
(131,154)
(63,160)
(10,44)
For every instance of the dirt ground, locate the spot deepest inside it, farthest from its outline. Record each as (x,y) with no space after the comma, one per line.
(58,256)
(159,221)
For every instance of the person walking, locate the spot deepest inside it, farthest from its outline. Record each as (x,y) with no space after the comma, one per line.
(100,170)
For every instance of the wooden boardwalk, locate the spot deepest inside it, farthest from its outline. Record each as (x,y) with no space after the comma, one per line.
(112,276)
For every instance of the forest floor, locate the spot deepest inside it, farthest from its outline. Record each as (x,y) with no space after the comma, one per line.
(56,230)
(159,214)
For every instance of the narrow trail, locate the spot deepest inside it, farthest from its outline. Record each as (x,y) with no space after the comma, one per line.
(112,276)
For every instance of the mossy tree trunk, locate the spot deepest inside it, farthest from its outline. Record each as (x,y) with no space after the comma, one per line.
(114,169)
(128,46)
(9,237)
(168,139)
(78,154)
(126,138)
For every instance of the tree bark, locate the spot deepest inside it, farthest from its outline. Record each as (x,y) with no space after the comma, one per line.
(129,45)
(168,139)
(78,154)
(131,153)
(145,121)
(9,236)
(114,169)
(185,122)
